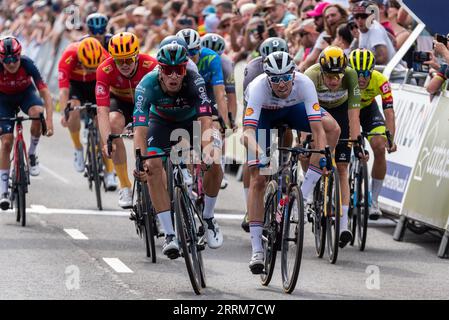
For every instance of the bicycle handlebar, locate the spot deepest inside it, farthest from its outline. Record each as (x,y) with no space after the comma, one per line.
(20,119)
(305,151)
(112,137)
(88,106)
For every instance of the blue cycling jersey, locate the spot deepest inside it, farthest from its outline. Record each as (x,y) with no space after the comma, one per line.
(209,67)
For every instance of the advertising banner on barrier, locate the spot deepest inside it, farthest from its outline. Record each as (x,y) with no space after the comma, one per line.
(427,198)
(413,111)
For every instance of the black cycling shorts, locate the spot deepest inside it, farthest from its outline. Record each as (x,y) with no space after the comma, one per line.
(371,118)
(125,108)
(340,114)
(82,91)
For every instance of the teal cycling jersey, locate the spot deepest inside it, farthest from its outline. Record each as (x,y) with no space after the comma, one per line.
(190,102)
(209,67)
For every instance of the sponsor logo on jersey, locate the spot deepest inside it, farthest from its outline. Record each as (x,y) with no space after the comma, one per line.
(385,88)
(139,104)
(107,69)
(100,90)
(61,75)
(204,109)
(249,111)
(316,107)
(142,118)
(68,60)
(147,64)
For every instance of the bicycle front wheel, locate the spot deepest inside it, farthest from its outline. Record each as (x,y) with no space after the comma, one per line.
(147,214)
(292,239)
(333,211)
(362,206)
(269,233)
(95,168)
(21,185)
(319,220)
(186,229)
(353,201)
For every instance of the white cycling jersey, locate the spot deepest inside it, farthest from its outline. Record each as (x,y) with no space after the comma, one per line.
(260,96)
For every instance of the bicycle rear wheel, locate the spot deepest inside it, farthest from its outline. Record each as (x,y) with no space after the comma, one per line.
(353,202)
(292,239)
(186,229)
(269,233)
(319,220)
(94,165)
(333,211)
(362,206)
(147,215)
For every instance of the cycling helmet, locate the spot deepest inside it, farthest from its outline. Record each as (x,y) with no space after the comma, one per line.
(362,60)
(90,52)
(271,45)
(123,45)
(172,54)
(214,42)
(10,47)
(191,37)
(173,39)
(278,63)
(333,60)
(97,22)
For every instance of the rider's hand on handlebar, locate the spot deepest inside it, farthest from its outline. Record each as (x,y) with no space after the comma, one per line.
(49,123)
(393,148)
(359,153)
(106,152)
(140,175)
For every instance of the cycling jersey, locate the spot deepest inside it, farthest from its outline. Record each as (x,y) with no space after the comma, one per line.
(70,68)
(378,85)
(260,96)
(209,67)
(190,102)
(348,90)
(111,81)
(16,83)
(228,74)
(252,70)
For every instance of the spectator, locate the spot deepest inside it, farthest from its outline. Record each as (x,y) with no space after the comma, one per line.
(334,16)
(317,15)
(344,38)
(308,37)
(401,33)
(277,12)
(439,71)
(255,34)
(372,35)
(224,26)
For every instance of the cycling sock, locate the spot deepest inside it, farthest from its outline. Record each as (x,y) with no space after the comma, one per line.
(33,145)
(344,219)
(76,140)
(209,206)
(166,222)
(108,165)
(376,187)
(122,174)
(255,230)
(312,176)
(4,174)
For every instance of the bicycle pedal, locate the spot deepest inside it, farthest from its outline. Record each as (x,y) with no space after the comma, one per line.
(200,247)
(201,231)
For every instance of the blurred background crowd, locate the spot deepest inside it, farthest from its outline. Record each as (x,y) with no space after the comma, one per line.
(308,25)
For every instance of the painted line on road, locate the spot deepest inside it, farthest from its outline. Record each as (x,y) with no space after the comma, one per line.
(76,234)
(39,209)
(117,265)
(54,174)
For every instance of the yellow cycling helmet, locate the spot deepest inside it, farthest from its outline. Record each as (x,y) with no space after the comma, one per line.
(90,52)
(123,45)
(362,60)
(333,60)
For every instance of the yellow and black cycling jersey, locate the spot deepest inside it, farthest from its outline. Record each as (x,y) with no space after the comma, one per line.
(378,85)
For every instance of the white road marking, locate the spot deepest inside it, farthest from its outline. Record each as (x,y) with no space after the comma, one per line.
(117,265)
(54,174)
(39,209)
(76,234)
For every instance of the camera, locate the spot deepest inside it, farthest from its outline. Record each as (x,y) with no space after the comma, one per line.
(440,38)
(260,29)
(421,56)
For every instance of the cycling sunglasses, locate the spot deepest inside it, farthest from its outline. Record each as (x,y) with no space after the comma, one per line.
(364,73)
(285,77)
(10,59)
(128,61)
(180,69)
(193,52)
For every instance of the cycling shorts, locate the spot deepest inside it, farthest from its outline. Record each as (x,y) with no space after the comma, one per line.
(340,114)
(9,105)
(82,91)
(125,108)
(371,119)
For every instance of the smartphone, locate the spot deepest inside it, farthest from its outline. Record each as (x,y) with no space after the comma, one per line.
(421,56)
(441,38)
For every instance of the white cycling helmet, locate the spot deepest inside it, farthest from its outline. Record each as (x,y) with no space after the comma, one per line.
(191,37)
(278,63)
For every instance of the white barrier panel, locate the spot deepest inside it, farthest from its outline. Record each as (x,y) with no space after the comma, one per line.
(413,110)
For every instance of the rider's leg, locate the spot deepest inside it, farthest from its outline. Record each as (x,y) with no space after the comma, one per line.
(256,207)
(74,125)
(7,140)
(36,129)
(378,173)
(117,121)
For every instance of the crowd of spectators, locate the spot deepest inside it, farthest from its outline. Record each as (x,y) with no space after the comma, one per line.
(308,25)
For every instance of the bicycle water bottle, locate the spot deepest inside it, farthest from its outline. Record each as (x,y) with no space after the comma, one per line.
(280,209)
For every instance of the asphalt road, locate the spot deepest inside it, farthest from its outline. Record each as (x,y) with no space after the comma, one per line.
(43,261)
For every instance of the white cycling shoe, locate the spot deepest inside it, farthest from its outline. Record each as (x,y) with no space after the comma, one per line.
(110,181)
(78,161)
(125,198)
(256,264)
(213,234)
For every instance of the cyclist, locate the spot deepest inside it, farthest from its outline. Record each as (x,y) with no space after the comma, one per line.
(170,98)
(96,25)
(373,83)
(18,72)
(217,43)
(77,78)
(117,78)
(252,70)
(280,95)
(210,68)
(180,41)
(339,93)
